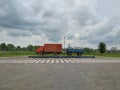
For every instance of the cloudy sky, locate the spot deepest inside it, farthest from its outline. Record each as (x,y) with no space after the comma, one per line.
(84,23)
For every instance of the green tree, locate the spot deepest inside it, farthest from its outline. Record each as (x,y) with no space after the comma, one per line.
(87,49)
(23,49)
(3,47)
(30,47)
(18,48)
(102,47)
(10,47)
(35,47)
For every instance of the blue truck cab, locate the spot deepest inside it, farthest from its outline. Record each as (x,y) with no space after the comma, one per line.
(79,52)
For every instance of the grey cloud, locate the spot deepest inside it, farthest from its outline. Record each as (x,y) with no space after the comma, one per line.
(55,18)
(109,33)
(83,16)
(17,33)
(13,17)
(70,37)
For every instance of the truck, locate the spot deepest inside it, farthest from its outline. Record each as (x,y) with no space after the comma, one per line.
(57,49)
(49,48)
(70,51)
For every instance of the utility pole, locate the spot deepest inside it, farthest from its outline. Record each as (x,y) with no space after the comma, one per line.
(64,42)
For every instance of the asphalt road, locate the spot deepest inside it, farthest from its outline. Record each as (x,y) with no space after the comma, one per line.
(96,74)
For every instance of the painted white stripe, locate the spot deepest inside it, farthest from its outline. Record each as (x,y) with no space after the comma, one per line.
(38,61)
(66,61)
(76,61)
(61,61)
(81,61)
(71,61)
(42,61)
(47,61)
(33,61)
(52,61)
(57,61)
(87,61)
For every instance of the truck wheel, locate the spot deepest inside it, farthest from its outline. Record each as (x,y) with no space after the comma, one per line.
(69,54)
(41,53)
(78,54)
(55,54)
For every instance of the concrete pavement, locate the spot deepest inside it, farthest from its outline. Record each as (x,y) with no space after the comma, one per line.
(60,76)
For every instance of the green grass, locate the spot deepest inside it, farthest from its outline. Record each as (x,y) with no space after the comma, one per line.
(28,53)
(9,54)
(105,54)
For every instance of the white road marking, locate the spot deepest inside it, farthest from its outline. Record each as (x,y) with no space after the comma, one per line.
(42,61)
(38,61)
(57,61)
(66,61)
(61,61)
(76,61)
(71,61)
(47,61)
(87,61)
(81,61)
(33,61)
(52,61)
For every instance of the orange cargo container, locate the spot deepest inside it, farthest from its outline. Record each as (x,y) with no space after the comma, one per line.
(55,48)
(49,48)
(40,49)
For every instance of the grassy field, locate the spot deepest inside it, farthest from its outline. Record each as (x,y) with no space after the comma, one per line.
(27,53)
(105,54)
(9,54)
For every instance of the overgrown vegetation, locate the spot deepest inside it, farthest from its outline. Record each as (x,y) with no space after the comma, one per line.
(7,50)
(12,48)
(102,47)
(15,53)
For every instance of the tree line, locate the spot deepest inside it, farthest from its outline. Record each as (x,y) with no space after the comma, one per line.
(101,48)
(12,47)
